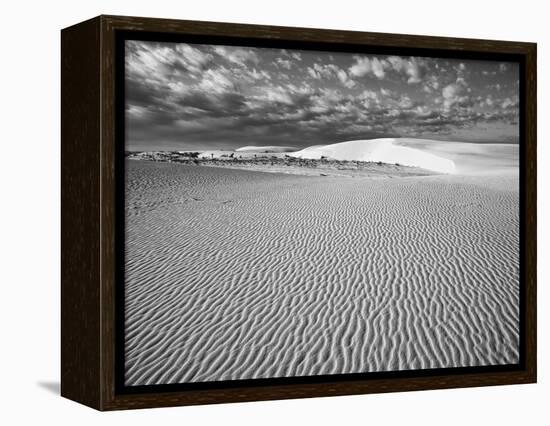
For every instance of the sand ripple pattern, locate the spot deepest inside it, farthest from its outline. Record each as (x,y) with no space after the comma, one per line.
(237,275)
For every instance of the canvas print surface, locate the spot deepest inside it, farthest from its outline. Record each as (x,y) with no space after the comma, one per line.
(296,213)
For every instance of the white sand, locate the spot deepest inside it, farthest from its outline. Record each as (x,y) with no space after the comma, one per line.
(438,156)
(236,275)
(471,158)
(383,150)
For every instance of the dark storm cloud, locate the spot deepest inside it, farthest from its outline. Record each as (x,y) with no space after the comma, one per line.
(181,95)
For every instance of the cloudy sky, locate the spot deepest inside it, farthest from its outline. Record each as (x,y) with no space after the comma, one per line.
(192,96)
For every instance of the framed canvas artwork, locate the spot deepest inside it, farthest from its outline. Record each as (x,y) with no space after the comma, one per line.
(254,212)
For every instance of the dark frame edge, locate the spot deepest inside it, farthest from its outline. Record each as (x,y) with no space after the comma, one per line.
(80,210)
(530,211)
(134,23)
(104,395)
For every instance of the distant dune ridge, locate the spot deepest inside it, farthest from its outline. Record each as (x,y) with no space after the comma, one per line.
(446,157)
(233,274)
(383,150)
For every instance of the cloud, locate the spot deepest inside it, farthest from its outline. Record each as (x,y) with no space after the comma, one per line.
(361,67)
(364,66)
(509,103)
(148,60)
(455,94)
(255,74)
(410,67)
(221,96)
(369,98)
(278,94)
(192,58)
(328,71)
(405,102)
(324,71)
(387,92)
(217,81)
(378,67)
(313,73)
(431,84)
(344,79)
(237,56)
(284,63)
(297,56)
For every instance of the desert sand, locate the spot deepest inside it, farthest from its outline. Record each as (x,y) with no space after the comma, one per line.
(385,150)
(235,274)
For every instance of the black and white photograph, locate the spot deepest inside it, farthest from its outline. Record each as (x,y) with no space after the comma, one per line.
(297,213)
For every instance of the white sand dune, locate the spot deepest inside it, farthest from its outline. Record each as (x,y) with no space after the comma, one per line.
(384,150)
(440,156)
(471,158)
(446,157)
(266,149)
(237,275)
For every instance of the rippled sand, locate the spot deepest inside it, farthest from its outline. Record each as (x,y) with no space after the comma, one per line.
(234,274)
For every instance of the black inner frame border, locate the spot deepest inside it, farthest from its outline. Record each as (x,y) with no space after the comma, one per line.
(121,36)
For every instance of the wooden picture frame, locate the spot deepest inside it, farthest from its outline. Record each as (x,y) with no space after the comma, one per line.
(91,298)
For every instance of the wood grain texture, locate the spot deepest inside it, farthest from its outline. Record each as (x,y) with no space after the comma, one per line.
(80,213)
(89,207)
(122,402)
(310,34)
(108,216)
(529,186)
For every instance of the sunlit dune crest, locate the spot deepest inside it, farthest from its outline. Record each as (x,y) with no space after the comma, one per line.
(383,150)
